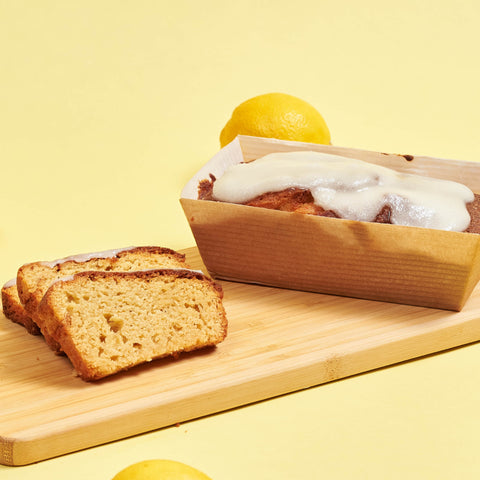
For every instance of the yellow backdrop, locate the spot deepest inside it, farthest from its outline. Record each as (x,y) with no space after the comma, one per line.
(108,107)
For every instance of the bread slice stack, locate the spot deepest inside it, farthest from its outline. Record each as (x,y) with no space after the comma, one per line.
(108,311)
(34,279)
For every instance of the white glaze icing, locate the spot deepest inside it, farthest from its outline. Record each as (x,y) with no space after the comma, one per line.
(85,257)
(12,282)
(354,189)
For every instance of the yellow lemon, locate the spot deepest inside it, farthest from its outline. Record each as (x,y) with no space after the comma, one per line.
(276,115)
(160,470)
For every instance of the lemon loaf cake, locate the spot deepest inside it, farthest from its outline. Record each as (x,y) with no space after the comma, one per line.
(13,308)
(33,279)
(106,322)
(329,185)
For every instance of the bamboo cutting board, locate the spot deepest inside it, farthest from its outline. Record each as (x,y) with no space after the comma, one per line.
(279,341)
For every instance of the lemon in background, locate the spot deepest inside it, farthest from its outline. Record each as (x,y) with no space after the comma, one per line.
(276,115)
(160,470)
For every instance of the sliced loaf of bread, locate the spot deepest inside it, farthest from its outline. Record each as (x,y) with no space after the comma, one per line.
(110,321)
(34,279)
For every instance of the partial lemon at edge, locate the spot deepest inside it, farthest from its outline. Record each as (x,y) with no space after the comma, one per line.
(160,470)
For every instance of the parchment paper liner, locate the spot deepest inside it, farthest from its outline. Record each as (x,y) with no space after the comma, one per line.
(415,266)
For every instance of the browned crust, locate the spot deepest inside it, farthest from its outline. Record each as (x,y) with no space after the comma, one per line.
(27,297)
(205,188)
(144,274)
(152,250)
(14,311)
(61,333)
(474,211)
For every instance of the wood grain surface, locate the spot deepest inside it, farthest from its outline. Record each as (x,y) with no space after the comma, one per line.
(279,341)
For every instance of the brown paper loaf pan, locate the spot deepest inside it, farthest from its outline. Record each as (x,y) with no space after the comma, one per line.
(391,263)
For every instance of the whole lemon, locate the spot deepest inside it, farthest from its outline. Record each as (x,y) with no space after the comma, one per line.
(160,470)
(276,115)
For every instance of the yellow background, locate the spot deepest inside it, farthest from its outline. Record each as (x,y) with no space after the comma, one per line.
(108,107)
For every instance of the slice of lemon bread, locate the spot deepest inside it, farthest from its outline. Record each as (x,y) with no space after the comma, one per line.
(13,308)
(34,279)
(110,321)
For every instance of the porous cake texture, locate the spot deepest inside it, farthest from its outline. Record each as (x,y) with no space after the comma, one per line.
(110,321)
(34,279)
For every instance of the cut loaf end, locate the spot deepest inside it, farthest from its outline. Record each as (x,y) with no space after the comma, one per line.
(107,322)
(14,310)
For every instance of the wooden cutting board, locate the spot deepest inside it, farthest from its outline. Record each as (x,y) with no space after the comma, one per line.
(279,341)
